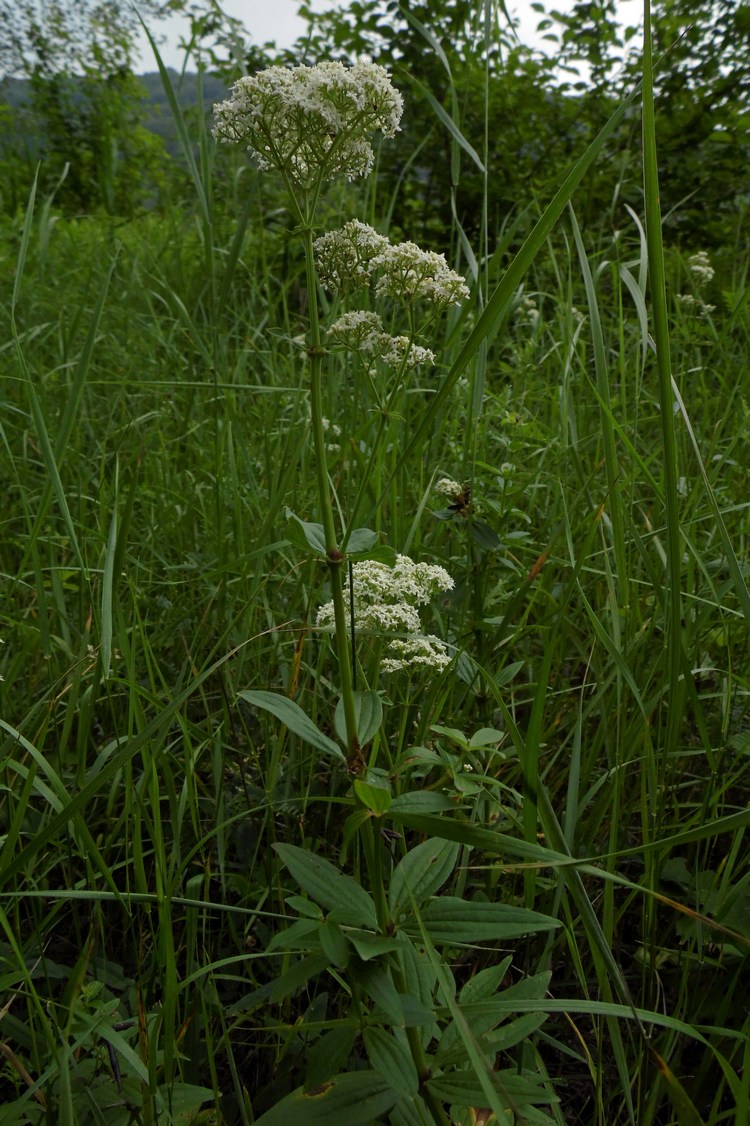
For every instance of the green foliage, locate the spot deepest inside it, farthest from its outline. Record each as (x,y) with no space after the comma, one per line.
(531,891)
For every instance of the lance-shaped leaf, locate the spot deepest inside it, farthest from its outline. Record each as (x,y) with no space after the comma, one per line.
(450,919)
(422,871)
(292,716)
(347,902)
(351,1099)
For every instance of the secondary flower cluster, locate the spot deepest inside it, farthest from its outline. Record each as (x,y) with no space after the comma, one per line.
(386,601)
(702,273)
(312,122)
(701,268)
(363,332)
(349,258)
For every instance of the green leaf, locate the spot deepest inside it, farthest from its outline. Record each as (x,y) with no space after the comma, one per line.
(298,975)
(380,554)
(485,737)
(361,541)
(334,944)
(304,907)
(463,1088)
(328,1055)
(292,716)
(300,935)
(352,1099)
(307,536)
(484,536)
(420,801)
(368,710)
(389,1054)
(341,895)
(370,946)
(375,798)
(422,871)
(450,919)
(410,1112)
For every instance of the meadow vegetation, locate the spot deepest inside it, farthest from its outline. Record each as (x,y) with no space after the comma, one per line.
(266,856)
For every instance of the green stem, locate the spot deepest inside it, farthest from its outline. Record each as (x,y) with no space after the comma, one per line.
(334,554)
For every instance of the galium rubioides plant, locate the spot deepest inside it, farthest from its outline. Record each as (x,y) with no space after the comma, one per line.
(432,1047)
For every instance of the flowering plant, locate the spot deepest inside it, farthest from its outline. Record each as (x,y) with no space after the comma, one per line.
(311,124)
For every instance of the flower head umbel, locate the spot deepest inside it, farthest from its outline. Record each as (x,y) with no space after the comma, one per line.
(701,268)
(449,488)
(313,122)
(343,257)
(408,273)
(386,601)
(362,331)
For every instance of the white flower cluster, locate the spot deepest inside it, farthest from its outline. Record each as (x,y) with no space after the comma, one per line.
(386,601)
(427,650)
(346,259)
(343,257)
(362,331)
(701,268)
(449,488)
(311,122)
(526,311)
(358,330)
(694,304)
(408,273)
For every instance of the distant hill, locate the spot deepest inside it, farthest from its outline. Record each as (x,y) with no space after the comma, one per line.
(190,89)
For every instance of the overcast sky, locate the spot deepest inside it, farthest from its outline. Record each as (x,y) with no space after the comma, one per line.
(277,20)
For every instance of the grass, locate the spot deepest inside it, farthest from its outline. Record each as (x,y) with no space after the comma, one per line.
(155,427)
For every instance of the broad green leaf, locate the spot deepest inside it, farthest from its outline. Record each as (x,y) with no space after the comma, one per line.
(298,975)
(341,895)
(450,919)
(463,1088)
(401,1010)
(422,871)
(515,1032)
(410,1112)
(374,798)
(328,1054)
(304,906)
(419,801)
(307,536)
(352,1099)
(483,985)
(361,541)
(382,553)
(451,733)
(485,737)
(484,536)
(292,716)
(368,710)
(334,944)
(371,945)
(390,1056)
(297,936)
